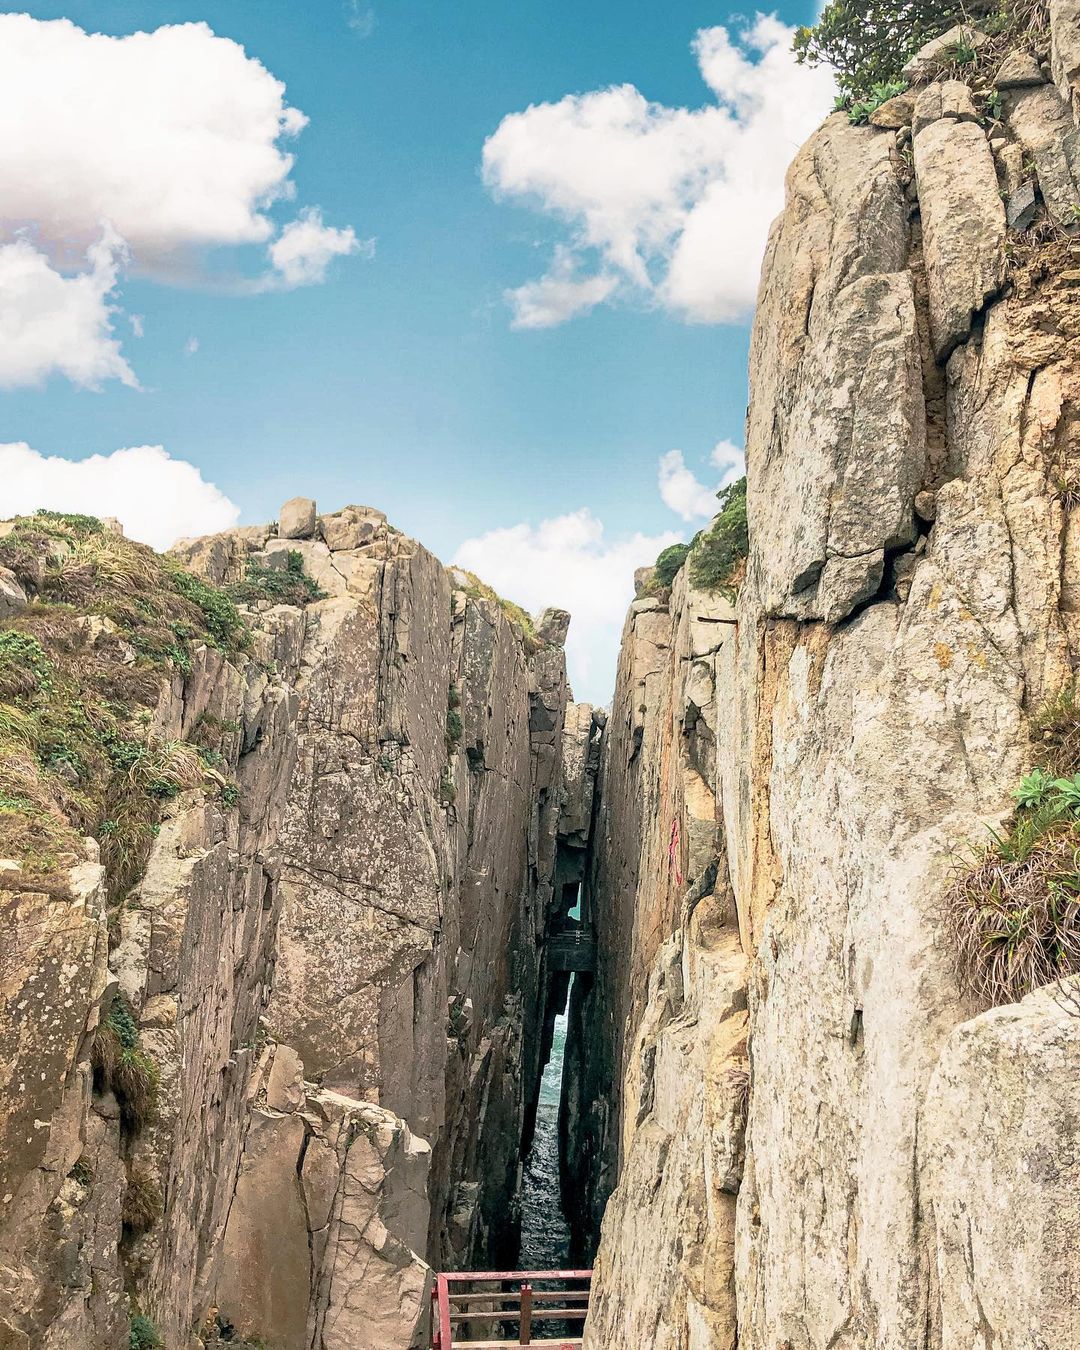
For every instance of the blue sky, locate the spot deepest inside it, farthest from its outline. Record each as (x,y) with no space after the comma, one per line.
(400,380)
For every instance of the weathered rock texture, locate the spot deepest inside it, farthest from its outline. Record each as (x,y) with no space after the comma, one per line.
(341,979)
(783,797)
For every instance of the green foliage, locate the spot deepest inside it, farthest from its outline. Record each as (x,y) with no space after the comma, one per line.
(123,1067)
(288,585)
(143,1334)
(869,41)
(82,1172)
(716,554)
(669,562)
(225,627)
(76,523)
(447,790)
(24,667)
(860,111)
(230,795)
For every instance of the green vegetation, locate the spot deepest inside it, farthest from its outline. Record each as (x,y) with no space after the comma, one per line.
(1016,909)
(870,41)
(81,671)
(669,563)
(123,1067)
(447,790)
(288,585)
(718,553)
(455,728)
(860,111)
(82,1172)
(480,590)
(143,1334)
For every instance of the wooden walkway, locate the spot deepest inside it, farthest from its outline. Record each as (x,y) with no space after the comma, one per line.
(485,1303)
(572,947)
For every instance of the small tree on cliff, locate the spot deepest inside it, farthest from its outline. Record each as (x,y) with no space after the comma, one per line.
(868,41)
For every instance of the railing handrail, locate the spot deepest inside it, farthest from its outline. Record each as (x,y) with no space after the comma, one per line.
(447,1309)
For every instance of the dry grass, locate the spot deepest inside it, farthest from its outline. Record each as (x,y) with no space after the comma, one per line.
(143,1202)
(1017,919)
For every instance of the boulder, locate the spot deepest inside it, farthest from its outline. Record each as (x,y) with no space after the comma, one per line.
(894,113)
(1021,207)
(1041,121)
(552,625)
(297,519)
(1018,70)
(930,58)
(12,595)
(946,98)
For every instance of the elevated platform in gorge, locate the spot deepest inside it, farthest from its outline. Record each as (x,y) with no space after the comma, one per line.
(472,1310)
(572,946)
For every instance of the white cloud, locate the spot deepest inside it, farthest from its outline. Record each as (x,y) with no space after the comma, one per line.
(684,493)
(306,247)
(360,18)
(681,491)
(191,346)
(730,459)
(52,324)
(170,141)
(156,498)
(676,201)
(559,295)
(567,561)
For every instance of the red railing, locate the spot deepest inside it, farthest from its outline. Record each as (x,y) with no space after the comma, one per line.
(524,1306)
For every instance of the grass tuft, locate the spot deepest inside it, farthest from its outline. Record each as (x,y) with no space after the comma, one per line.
(289,585)
(1015,911)
(143,1202)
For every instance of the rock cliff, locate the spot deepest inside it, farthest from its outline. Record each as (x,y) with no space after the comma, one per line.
(821,1136)
(261,1078)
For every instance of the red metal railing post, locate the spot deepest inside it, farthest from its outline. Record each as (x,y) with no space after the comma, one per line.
(525,1337)
(445,1334)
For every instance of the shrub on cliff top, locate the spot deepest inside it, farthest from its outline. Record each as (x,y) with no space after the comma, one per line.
(669,563)
(869,41)
(717,553)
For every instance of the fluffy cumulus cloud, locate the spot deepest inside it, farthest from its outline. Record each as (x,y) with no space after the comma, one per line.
(306,247)
(559,294)
(673,202)
(156,498)
(568,561)
(49,322)
(173,141)
(685,494)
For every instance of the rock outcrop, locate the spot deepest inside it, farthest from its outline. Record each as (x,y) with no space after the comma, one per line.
(786,788)
(332,965)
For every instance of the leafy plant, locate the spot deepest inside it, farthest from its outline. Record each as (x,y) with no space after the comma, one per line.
(1033,788)
(717,552)
(860,112)
(869,41)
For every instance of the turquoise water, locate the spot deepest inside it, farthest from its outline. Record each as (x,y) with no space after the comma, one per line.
(545,1237)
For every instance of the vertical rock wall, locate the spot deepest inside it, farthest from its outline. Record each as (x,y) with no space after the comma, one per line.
(340,977)
(910,1173)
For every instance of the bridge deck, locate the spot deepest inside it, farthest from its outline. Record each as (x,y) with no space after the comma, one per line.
(572,948)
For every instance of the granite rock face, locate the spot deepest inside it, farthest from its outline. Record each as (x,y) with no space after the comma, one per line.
(337,970)
(803,782)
